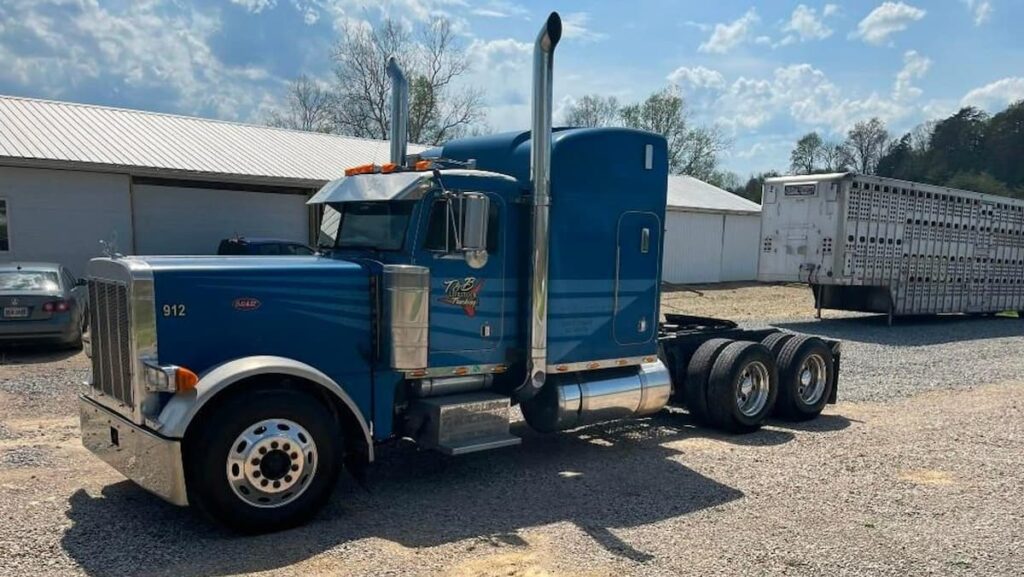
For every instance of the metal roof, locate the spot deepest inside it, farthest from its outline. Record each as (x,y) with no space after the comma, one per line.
(58,134)
(688,193)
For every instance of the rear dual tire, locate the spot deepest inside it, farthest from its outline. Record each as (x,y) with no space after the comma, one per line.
(742,387)
(806,378)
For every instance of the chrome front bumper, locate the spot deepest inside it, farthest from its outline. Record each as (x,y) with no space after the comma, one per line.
(151,461)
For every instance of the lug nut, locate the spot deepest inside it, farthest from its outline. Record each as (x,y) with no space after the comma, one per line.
(263,450)
(294,456)
(287,478)
(264,483)
(295,467)
(256,474)
(273,445)
(277,484)
(287,447)
(256,461)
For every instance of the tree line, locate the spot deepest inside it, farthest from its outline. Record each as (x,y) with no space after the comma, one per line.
(355,102)
(969,150)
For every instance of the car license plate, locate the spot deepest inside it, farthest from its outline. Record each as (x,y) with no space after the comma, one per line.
(15,312)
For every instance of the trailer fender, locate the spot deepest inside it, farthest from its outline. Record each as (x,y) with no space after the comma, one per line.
(183,408)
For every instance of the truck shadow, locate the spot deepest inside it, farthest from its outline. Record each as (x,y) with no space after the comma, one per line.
(32,354)
(599,478)
(910,331)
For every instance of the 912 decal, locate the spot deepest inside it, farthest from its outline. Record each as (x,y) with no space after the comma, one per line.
(174,310)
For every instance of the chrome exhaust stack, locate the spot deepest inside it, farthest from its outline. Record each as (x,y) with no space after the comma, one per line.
(540,176)
(399,135)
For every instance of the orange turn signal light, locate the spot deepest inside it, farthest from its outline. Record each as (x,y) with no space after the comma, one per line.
(362,169)
(388,168)
(424,165)
(185,380)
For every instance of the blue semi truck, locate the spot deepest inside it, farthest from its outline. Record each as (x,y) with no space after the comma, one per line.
(517,269)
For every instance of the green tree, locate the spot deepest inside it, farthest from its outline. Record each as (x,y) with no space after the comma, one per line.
(1004,145)
(958,145)
(441,107)
(805,156)
(593,110)
(866,143)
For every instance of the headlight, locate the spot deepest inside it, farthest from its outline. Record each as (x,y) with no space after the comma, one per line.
(169,378)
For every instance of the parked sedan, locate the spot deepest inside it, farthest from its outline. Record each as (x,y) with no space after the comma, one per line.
(42,302)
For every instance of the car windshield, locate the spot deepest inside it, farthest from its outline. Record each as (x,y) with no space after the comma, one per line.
(28,280)
(377,225)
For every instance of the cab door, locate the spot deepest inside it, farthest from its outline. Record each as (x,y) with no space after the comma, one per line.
(467,299)
(637,259)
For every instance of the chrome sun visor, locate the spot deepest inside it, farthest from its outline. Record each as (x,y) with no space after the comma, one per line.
(365,187)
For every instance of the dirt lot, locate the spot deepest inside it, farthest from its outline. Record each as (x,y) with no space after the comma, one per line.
(915,472)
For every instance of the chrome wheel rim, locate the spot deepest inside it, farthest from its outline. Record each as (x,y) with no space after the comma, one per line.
(811,379)
(271,463)
(752,388)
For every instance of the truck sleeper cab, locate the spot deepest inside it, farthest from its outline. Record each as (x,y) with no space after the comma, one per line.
(520,268)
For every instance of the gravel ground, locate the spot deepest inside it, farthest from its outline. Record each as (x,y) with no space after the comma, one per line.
(915,472)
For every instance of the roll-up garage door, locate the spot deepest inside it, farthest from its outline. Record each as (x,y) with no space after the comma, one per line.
(183,220)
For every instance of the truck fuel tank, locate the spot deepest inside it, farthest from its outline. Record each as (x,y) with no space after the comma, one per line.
(573,400)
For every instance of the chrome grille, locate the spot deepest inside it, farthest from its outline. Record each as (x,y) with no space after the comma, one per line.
(109,315)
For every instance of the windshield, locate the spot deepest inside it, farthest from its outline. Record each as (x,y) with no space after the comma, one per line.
(378,225)
(28,280)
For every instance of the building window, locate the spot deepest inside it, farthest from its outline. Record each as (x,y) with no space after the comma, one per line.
(5,242)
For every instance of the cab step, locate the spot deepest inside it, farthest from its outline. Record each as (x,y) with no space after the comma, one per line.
(465,423)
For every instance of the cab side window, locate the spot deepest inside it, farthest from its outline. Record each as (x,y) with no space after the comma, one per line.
(438,226)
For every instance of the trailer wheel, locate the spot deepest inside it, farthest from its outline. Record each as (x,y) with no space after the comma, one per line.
(695,390)
(806,375)
(775,341)
(742,387)
(264,461)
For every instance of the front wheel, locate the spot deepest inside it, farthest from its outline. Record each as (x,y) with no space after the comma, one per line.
(263,461)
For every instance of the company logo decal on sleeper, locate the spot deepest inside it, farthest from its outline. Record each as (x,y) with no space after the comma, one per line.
(463,293)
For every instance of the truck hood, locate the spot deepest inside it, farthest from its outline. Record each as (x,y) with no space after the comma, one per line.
(210,310)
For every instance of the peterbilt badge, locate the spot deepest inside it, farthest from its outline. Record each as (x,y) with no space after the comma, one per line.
(246,304)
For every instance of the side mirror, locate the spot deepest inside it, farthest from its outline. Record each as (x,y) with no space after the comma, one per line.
(81,282)
(475,216)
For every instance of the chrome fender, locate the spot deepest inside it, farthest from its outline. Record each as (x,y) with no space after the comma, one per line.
(182,408)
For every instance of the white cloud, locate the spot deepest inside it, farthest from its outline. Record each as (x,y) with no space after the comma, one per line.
(886,20)
(981,10)
(805,95)
(914,66)
(499,9)
(58,48)
(830,10)
(996,95)
(256,6)
(574,26)
(725,37)
(806,25)
(697,78)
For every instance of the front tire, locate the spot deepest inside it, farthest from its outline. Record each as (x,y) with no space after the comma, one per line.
(264,460)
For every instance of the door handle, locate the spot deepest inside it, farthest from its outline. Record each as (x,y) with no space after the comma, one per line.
(645,240)
(485,330)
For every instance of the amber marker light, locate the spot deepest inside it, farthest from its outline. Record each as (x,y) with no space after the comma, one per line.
(185,380)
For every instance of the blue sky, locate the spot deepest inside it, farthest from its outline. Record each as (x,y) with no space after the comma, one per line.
(765,73)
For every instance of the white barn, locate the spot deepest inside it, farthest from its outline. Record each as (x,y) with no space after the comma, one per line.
(711,235)
(72,175)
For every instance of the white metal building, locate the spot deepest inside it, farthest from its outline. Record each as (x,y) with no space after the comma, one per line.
(711,235)
(72,175)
